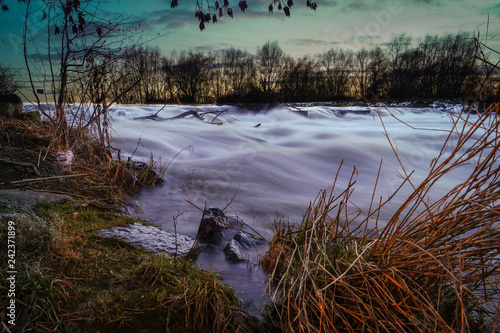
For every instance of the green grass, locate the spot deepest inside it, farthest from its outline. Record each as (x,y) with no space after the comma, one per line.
(68,278)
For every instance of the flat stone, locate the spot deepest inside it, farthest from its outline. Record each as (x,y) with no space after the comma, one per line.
(13,199)
(150,238)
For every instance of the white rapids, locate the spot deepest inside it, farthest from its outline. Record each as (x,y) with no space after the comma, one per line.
(273,170)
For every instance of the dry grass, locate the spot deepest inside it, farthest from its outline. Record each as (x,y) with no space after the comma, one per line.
(433,267)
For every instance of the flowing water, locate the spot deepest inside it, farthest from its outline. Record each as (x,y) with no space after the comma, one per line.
(270,165)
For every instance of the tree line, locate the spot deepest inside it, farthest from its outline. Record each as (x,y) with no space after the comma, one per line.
(436,67)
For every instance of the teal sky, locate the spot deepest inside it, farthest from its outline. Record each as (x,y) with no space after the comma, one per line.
(348,24)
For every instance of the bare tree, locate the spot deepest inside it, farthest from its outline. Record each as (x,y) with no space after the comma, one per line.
(397,50)
(270,66)
(361,61)
(237,73)
(336,67)
(189,72)
(76,32)
(298,82)
(377,69)
(8,81)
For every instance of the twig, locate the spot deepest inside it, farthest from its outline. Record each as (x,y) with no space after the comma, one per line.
(138,143)
(175,231)
(173,158)
(193,112)
(45,178)
(5,328)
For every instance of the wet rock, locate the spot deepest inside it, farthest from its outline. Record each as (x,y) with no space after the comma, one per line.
(149,177)
(252,324)
(244,239)
(212,225)
(144,173)
(233,251)
(150,238)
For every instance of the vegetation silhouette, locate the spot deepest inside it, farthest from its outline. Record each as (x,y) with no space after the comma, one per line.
(436,67)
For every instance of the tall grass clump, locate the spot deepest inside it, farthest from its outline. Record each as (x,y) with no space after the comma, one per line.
(434,266)
(37,287)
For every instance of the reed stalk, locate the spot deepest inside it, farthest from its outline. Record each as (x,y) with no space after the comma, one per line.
(432,267)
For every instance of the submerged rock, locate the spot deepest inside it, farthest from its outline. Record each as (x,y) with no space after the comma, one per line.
(244,239)
(212,225)
(233,251)
(150,238)
(144,173)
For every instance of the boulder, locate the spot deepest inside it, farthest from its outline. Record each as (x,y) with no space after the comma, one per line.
(10,105)
(31,116)
(149,177)
(244,239)
(233,251)
(212,225)
(122,176)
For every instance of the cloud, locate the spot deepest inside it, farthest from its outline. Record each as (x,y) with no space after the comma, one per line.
(311,42)
(495,10)
(171,19)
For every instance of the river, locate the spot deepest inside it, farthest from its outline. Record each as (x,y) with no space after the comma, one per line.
(269,165)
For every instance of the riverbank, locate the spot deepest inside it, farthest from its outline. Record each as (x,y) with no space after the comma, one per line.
(69,279)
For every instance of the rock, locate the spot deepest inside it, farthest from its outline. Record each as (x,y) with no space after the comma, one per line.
(211,226)
(10,105)
(150,238)
(13,200)
(33,116)
(244,239)
(233,251)
(149,177)
(144,173)
(121,176)
(64,157)
(252,324)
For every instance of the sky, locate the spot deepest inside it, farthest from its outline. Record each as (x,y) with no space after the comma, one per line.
(347,24)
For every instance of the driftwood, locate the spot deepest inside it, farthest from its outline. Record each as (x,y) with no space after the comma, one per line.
(45,178)
(182,115)
(192,112)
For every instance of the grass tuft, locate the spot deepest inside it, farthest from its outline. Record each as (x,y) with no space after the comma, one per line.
(72,280)
(433,267)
